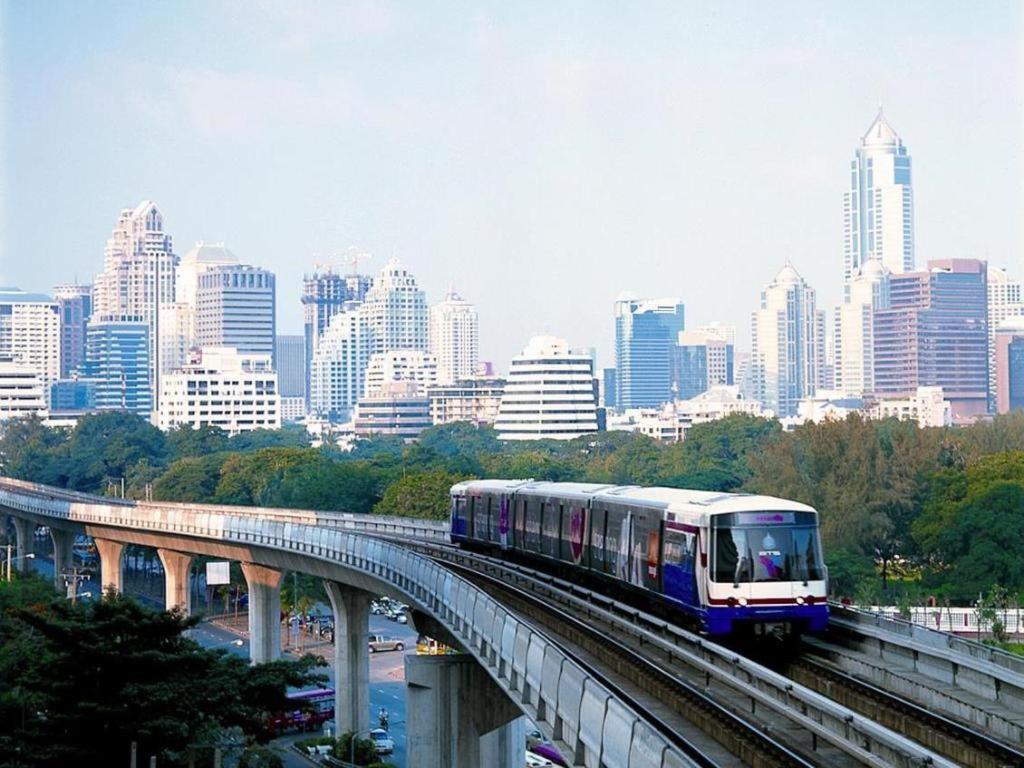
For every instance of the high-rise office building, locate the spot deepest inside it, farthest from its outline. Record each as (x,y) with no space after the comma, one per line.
(1009,365)
(75,302)
(138,276)
(878,208)
(475,400)
(702,359)
(21,390)
(935,334)
(454,338)
(1005,302)
(609,377)
(234,391)
(177,324)
(788,343)
(117,357)
(30,332)
(550,393)
(203,257)
(290,359)
(235,307)
(854,329)
(325,293)
(646,331)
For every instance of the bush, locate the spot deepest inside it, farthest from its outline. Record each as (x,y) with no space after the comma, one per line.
(260,757)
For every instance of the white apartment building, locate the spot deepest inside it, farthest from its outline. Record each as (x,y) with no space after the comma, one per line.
(293,408)
(338,367)
(30,332)
(788,349)
(400,365)
(226,389)
(1005,303)
(175,333)
(878,208)
(395,309)
(138,275)
(868,291)
(671,422)
(928,407)
(22,390)
(454,338)
(476,400)
(550,393)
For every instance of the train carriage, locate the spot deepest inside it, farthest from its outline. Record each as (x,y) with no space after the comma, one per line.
(729,562)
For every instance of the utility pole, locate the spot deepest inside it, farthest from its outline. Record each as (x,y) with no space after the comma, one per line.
(72,579)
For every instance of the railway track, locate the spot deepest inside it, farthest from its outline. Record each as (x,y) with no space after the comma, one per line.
(682,712)
(805,728)
(965,745)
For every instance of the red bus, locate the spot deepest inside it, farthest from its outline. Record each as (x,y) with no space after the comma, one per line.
(312,709)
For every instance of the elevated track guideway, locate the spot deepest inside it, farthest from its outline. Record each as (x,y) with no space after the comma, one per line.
(611,685)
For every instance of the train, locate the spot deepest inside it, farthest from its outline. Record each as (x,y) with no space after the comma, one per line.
(731,564)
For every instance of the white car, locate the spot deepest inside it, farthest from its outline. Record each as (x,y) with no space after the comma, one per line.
(382,741)
(536,761)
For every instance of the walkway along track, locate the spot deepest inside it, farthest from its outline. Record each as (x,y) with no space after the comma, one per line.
(812,729)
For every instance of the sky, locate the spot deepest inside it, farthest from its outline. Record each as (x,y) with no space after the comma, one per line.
(541,157)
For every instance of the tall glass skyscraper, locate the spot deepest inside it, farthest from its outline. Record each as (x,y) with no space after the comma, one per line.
(75,303)
(645,336)
(934,333)
(878,208)
(235,306)
(117,357)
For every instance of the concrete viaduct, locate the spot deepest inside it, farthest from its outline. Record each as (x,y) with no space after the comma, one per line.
(463,711)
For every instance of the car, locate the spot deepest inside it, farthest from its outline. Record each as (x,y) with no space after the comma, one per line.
(402,619)
(382,741)
(382,643)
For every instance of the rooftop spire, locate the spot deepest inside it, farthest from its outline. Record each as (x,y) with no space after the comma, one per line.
(881,133)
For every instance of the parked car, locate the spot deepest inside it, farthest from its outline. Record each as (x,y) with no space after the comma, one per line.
(382,741)
(381,643)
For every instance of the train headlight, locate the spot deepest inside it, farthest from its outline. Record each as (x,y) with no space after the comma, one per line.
(799,600)
(743,601)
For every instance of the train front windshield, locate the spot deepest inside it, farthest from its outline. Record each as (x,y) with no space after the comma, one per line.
(766,546)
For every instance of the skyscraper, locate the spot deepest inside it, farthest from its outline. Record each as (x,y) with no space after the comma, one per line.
(75,302)
(203,257)
(854,328)
(138,276)
(935,334)
(878,208)
(324,294)
(646,331)
(30,332)
(788,343)
(400,365)
(291,366)
(454,338)
(1009,364)
(702,359)
(235,307)
(1005,303)
(117,357)
(550,393)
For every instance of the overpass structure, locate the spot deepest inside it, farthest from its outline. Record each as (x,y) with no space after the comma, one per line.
(461,714)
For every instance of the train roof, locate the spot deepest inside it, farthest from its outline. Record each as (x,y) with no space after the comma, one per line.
(653,497)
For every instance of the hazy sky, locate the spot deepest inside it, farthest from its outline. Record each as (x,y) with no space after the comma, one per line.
(543,157)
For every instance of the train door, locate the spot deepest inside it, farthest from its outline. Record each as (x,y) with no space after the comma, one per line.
(598,518)
(504,524)
(679,563)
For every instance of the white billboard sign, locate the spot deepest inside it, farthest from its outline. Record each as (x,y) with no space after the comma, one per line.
(218,573)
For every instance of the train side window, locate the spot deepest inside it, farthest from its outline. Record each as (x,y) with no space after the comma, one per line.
(597,539)
(489,535)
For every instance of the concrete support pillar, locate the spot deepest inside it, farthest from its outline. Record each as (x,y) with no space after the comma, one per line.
(351,608)
(63,554)
(264,612)
(111,564)
(177,566)
(24,533)
(458,717)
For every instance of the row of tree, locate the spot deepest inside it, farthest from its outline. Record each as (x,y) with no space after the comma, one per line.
(938,511)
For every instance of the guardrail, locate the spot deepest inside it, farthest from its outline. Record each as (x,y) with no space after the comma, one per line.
(584,719)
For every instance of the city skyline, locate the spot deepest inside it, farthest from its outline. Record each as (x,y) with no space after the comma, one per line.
(556,215)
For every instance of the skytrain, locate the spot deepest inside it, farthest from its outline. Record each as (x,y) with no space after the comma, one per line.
(729,563)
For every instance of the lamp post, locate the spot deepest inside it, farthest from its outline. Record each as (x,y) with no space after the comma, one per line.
(11,559)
